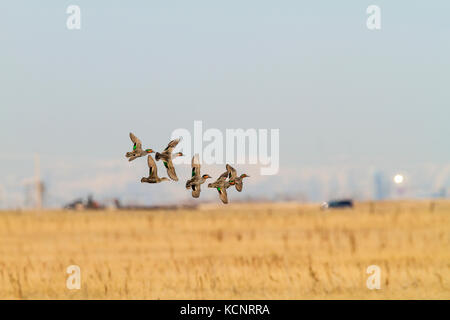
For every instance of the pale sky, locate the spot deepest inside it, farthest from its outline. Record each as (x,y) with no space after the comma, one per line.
(340,94)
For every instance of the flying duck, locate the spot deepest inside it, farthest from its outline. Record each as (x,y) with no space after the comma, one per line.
(166,156)
(153,174)
(233,179)
(196,180)
(137,149)
(221,184)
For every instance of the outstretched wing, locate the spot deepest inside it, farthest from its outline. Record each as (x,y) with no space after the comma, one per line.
(220,181)
(231,172)
(152,167)
(170,170)
(239,185)
(223,194)
(137,143)
(196,190)
(172,144)
(195,166)
(222,177)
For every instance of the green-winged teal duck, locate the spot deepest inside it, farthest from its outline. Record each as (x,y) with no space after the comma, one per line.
(233,179)
(137,149)
(166,157)
(221,184)
(153,174)
(196,180)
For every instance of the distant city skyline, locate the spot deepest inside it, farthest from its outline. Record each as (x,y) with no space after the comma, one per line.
(68,180)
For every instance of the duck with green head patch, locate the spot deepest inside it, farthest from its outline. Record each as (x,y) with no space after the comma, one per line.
(197,180)
(166,156)
(137,149)
(233,179)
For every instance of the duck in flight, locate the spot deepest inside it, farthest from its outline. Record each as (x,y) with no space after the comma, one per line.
(137,149)
(221,184)
(153,174)
(233,179)
(196,180)
(166,156)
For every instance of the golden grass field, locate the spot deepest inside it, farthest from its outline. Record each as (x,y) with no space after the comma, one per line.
(239,251)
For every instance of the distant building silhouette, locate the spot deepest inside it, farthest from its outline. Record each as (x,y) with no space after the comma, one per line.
(382,186)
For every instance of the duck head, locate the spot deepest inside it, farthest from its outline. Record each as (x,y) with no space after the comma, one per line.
(206,176)
(149,150)
(244,175)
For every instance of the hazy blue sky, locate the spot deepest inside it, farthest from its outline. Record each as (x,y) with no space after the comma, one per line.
(337,91)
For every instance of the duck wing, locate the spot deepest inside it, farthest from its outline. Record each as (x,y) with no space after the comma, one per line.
(195,164)
(223,194)
(170,169)
(223,176)
(239,185)
(152,167)
(172,144)
(220,181)
(196,190)
(231,172)
(137,143)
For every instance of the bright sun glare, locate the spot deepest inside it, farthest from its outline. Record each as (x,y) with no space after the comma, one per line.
(398,178)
